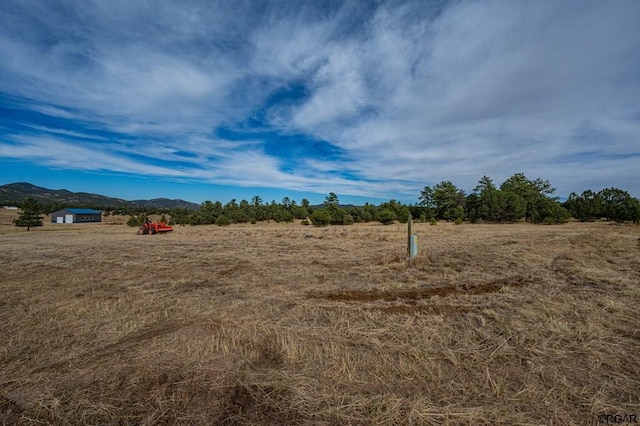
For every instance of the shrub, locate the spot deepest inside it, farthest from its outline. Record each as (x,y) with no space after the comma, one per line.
(135,221)
(337,216)
(458,221)
(433,221)
(386,216)
(282,216)
(222,220)
(550,213)
(348,220)
(321,218)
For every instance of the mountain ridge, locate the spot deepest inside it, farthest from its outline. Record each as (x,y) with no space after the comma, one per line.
(15,193)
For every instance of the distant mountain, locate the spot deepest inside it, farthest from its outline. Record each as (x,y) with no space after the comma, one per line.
(17,192)
(166,203)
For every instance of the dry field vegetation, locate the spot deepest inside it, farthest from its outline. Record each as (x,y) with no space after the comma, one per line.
(287,324)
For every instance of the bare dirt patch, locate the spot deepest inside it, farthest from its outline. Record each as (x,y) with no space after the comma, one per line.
(418,300)
(473,289)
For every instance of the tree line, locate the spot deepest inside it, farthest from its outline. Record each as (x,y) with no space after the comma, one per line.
(531,200)
(517,199)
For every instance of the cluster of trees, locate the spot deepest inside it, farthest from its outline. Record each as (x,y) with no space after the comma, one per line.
(610,204)
(520,198)
(242,212)
(329,213)
(516,199)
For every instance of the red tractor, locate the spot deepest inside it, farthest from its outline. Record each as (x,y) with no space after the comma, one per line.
(149,227)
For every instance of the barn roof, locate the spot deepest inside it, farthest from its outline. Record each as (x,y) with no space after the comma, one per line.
(84,211)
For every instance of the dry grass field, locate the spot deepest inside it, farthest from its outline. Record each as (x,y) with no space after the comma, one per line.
(287,324)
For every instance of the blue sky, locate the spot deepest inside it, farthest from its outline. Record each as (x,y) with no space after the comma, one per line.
(372,100)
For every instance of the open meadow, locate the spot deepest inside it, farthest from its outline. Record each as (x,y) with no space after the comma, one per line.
(289,324)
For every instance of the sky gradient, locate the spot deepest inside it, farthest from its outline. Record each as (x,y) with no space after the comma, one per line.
(372,100)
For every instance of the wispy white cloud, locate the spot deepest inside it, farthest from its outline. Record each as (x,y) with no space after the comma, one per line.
(411,92)
(62,154)
(498,88)
(64,132)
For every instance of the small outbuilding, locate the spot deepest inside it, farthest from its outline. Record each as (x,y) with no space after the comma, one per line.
(76,216)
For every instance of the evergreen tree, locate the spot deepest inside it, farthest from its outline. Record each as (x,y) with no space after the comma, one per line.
(491,204)
(137,220)
(222,220)
(386,216)
(30,214)
(332,205)
(321,217)
(445,200)
(584,207)
(618,205)
(207,214)
(300,212)
(331,201)
(550,212)
(534,192)
(348,220)
(369,213)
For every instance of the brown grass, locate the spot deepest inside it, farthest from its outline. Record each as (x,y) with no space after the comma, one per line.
(286,324)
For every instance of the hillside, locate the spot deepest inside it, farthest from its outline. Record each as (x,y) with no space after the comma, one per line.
(165,203)
(16,193)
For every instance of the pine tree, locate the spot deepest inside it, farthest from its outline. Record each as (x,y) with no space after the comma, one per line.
(30,215)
